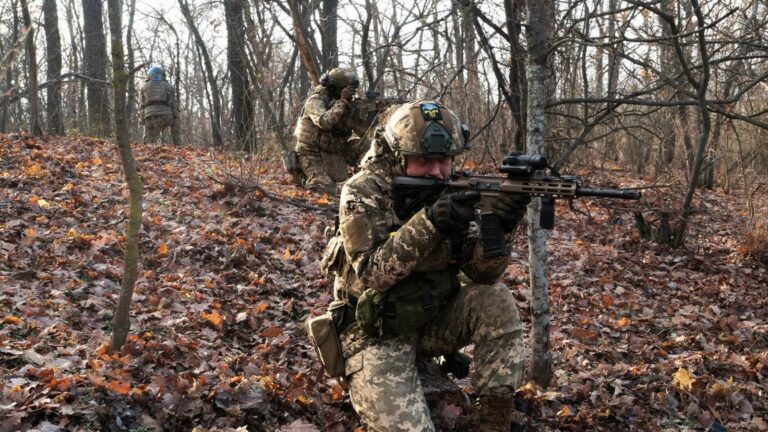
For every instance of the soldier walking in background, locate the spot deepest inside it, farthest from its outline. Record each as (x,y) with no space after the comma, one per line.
(157,106)
(323,145)
(416,283)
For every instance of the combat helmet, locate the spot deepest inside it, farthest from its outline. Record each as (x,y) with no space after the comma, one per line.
(156,73)
(425,128)
(340,78)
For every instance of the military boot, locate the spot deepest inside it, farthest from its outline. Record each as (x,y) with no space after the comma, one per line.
(496,410)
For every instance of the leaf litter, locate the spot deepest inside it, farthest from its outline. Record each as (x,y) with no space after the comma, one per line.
(644,337)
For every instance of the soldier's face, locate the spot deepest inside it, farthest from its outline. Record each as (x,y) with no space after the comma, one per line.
(418,166)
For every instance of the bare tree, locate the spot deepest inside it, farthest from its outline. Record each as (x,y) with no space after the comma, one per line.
(53,54)
(34,117)
(96,67)
(242,103)
(538,37)
(329,17)
(121,322)
(211,76)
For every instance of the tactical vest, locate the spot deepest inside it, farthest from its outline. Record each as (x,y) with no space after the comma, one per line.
(155,93)
(407,306)
(404,308)
(333,141)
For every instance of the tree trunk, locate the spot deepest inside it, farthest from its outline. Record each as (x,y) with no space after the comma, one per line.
(668,69)
(538,34)
(242,103)
(518,85)
(34,122)
(706,125)
(9,75)
(75,100)
(302,43)
(53,53)
(121,322)
(130,105)
(96,67)
(329,17)
(215,101)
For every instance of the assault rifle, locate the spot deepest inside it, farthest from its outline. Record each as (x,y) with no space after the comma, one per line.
(368,108)
(524,176)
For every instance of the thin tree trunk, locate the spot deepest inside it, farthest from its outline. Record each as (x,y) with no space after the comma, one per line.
(9,75)
(53,53)
(96,67)
(329,17)
(74,99)
(130,106)
(518,86)
(121,322)
(242,104)
(215,101)
(706,126)
(302,42)
(538,34)
(34,125)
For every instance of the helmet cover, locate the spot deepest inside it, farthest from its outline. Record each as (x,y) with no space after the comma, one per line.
(425,128)
(340,78)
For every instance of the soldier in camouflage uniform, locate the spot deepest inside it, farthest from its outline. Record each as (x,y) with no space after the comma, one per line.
(157,106)
(416,281)
(323,144)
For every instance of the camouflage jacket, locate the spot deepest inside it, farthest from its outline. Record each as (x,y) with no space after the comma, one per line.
(157,98)
(322,123)
(376,250)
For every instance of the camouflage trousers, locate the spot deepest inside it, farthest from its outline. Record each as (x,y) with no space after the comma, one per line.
(154,127)
(383,380)
(322,170)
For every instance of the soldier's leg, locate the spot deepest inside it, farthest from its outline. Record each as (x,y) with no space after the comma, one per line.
(386,391)
(356,149)
(316,178)
(165,123)
(151,130)
(487,316)
(335,166)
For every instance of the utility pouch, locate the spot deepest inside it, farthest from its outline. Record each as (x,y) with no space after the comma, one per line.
(408,306)
(324,336)
(333,256)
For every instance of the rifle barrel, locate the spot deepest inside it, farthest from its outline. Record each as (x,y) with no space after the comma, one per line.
(609,193)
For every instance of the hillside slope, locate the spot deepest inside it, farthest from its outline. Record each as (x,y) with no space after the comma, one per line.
(645,338)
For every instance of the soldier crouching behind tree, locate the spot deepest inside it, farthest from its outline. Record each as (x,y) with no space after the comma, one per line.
(413,280)
(157,106)
(323,144)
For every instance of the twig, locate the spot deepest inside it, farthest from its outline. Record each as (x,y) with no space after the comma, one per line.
(258,188)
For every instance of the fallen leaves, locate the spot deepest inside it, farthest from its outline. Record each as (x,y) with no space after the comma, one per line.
(12,320)
(215,340)
(683,380)
(213,318)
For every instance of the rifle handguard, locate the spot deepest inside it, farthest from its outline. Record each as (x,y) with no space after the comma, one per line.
(492,236)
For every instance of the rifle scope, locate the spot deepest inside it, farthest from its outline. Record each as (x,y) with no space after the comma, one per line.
(536,162)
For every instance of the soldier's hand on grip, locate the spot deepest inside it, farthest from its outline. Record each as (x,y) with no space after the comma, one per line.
(348,92)
(454,211)
(511,210)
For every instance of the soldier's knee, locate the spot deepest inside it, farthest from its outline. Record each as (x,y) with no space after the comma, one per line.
(496,312)
(492,297)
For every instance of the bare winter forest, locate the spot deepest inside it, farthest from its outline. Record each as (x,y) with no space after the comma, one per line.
(648,315)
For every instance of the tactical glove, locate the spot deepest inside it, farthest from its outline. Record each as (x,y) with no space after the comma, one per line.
(511,210)
(453,212)
(455,363)
(347,93)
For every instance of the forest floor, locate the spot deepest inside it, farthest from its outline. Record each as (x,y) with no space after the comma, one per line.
(644,337)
